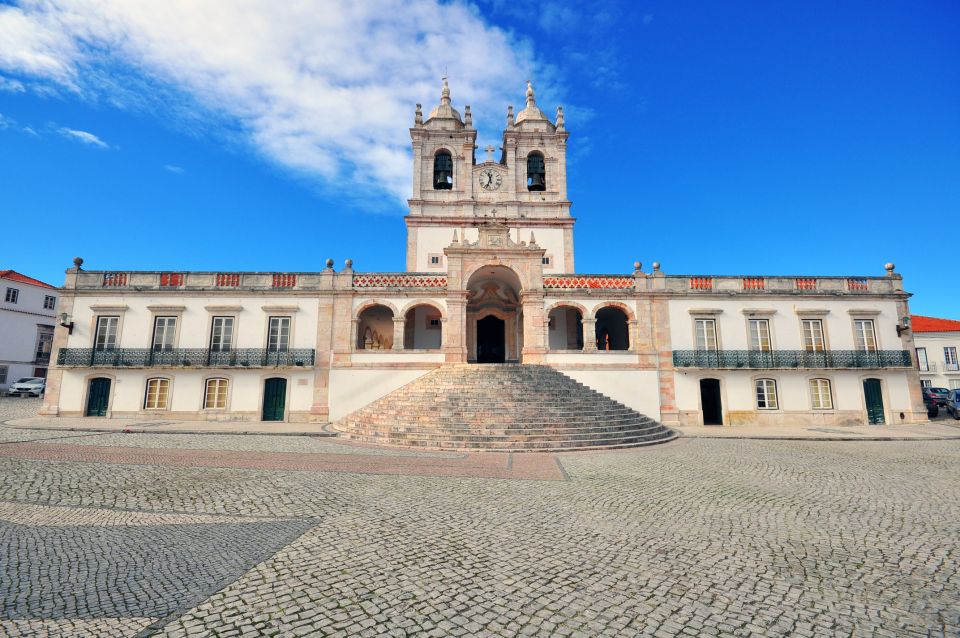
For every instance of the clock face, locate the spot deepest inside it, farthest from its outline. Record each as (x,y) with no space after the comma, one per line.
(490,180)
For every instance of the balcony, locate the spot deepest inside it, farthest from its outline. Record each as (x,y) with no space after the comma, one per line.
(184,358)
(790,359)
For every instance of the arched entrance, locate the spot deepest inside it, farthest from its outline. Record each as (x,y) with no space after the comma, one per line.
(494,318)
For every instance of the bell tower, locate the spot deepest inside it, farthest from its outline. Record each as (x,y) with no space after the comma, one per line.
(525,189)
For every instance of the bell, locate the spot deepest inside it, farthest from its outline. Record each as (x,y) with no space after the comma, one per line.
(536,182)
(442,180)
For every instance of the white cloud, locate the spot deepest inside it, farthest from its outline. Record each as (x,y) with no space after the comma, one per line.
(326,89)
(11,86)
(173,168)
(83,137)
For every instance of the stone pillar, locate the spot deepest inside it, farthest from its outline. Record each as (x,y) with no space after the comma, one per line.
(589,335)
(534,328)
(320,409)
(633,335)
(455,328)
(398,323)
(51,396)
(660,317)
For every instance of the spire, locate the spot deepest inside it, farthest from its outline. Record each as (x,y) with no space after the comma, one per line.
(445,109)
(531,112)
(530,99)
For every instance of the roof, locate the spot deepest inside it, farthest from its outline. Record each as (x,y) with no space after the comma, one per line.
(13,275)
(919,323)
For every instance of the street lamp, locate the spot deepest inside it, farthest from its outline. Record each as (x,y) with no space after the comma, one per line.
(64,319)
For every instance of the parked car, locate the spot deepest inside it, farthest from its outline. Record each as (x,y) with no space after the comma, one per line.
(28,386)
(933,408)
(953,405)
(940,395)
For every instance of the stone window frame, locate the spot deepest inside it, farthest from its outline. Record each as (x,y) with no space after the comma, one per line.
(766,393)
(279,312)
(49,302)
(438,257)
(829,382)
(226,395)
(706,314)
(146,393)
(12,295)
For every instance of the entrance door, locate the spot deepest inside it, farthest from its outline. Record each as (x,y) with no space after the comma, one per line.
(710,401)
(874,400)
(274,399)
(491,340)
(98,397)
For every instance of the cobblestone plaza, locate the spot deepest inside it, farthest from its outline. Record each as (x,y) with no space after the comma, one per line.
(219,535)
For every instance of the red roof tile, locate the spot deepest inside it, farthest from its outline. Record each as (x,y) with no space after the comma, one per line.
(13,275)
(919,323)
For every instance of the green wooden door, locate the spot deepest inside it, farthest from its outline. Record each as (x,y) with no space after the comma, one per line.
(98,397)
(274,398)
(874,400)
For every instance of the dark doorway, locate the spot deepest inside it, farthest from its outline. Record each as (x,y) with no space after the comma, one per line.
(710,400)
(274,399)
(98,397)
(874,400)
(491,340)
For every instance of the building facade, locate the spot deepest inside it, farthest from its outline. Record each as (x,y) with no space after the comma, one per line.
(490,278)
(937,341)
(28,310)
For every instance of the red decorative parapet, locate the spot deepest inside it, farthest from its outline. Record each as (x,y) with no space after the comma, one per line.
(806,283)
(573,282)
(284,281)
(171,279)
(399,280)
(857,284)
(701,283)
(754,283)
(114,279)
(228,280)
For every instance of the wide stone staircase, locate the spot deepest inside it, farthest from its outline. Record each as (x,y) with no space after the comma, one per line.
(500,407)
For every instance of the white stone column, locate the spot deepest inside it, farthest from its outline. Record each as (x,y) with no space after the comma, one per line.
(398,323)
(589,335)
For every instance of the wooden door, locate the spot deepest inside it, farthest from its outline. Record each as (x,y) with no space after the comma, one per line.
(98,397)
(874,399)
(274,399)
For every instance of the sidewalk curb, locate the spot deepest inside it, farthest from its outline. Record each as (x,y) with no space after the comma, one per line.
(742,437)
(143,430)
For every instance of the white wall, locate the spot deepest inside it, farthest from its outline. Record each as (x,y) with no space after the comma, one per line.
(637,389)
(938,374)
(19,326)
(351,389)
(433,239)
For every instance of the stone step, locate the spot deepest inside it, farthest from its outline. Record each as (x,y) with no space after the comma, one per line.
(500,408)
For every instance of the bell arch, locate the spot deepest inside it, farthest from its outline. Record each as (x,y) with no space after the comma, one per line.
(612,326)
(565,326)
(536,172)
(442,169)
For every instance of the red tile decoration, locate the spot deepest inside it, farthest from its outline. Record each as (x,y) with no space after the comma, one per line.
(754,283)
(701,283)
(573,282)
(114,279)
(284,281)
(857,284)
(805,283)
(171,279)
(228,280)
(399,280)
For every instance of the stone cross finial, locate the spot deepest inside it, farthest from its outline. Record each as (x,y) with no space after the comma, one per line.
(467,116)
(418,115)
(445,93)
(489,149)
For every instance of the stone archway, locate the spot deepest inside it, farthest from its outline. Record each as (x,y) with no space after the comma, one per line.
(494,292)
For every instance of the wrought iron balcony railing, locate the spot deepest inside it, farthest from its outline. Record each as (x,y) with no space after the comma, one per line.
(787,359)
(184,358)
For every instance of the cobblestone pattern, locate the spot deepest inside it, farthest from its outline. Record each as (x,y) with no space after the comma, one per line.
(19,407)
(702,537)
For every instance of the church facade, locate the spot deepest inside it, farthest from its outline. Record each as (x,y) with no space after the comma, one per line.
(489,278)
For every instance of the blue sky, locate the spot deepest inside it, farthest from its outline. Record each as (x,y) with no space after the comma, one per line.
(725,138)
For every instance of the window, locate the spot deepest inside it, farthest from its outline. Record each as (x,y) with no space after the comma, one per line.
(106,338)
(12,295)
(157,395)
(215,395)
(44,347)
(536,172)
(706,334)
(3,374)
(766,394)
(164,333)
(49,302)
(221,334)
(442,171)
(922,363)
(950,357)
(820,396)
(865,335)
(278,338)
(547,260)
(760,335)
(926,383)
(433,323)
(435,260)
(813,335)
